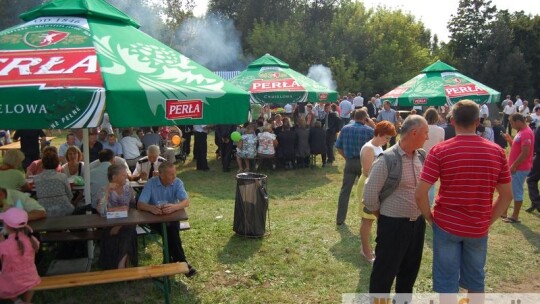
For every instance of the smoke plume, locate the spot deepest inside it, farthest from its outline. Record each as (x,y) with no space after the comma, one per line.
(323,75)
(211,41)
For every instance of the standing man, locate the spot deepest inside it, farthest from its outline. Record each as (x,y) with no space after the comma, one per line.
(508,110)
(520,161)
(389,194)
(200,147)
(223,132)
(131,146)
(346,108)
(358,101)
(170,189)
(534,175)
(349,143)
(331,125)
(484,113)
(391,115)
(94,146)
(30,140)
(464,208)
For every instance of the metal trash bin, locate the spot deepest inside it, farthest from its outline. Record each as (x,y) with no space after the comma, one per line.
(251,204)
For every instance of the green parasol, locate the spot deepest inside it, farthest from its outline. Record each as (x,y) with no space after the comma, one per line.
(440,84)
(270,80)
(73,60)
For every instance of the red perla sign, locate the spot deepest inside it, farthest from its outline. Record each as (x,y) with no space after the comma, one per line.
(289,84)
(323,96)
(464,90)
(177,109)
(420,101)
(51,68)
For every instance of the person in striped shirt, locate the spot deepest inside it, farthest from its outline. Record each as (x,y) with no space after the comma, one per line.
(469,168)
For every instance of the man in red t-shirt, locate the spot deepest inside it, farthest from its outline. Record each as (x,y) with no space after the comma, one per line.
(470,168)
(520,161)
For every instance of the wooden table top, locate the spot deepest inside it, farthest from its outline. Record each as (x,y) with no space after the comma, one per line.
(17,145)
(85,221)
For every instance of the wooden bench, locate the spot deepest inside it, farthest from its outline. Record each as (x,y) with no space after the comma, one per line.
(115,275)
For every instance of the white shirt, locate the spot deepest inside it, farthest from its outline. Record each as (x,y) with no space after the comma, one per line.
(484,111)
(509,110)
(288,108)
(535,119)
(200,128)
(117,160)
(358,101)
(518,103)
(144,165)
(435,136)
(131,146)
(524,110)
(346,108)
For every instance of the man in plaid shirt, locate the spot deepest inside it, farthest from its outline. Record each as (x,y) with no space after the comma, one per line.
(349,143)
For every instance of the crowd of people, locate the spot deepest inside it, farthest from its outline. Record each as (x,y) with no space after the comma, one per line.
(458,148)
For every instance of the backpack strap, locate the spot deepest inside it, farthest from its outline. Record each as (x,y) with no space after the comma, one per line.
(392,159)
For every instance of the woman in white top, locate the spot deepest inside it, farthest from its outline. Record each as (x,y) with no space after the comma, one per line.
(435,136)
(384,131)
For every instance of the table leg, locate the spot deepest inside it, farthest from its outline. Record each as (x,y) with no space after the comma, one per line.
(166,281)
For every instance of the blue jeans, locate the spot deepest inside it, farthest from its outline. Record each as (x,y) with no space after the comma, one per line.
(458,261)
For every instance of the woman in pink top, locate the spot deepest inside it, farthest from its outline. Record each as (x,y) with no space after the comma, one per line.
(36,167)
(17,251)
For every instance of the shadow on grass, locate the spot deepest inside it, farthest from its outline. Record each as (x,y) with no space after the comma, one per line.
(532,237)
(348,250)
(239,249)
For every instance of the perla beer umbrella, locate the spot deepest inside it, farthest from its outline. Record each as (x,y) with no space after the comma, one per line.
(440,84)
(270,80)
(73,60)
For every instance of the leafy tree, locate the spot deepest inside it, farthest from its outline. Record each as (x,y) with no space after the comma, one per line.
(469,29)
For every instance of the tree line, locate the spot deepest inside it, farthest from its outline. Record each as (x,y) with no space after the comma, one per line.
(368,50)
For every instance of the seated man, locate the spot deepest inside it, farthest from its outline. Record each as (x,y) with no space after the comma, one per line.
(9,197)
(149,164)
(167,188)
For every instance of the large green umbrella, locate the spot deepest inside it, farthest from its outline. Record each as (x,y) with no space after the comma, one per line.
(270,80)
(440,84)
(73,60)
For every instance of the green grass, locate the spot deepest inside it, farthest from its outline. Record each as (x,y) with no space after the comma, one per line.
(304,258)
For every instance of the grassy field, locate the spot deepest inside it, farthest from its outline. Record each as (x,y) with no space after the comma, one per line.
(304,258)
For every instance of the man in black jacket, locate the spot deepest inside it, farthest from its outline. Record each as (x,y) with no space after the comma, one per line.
(223,136)
(332,125)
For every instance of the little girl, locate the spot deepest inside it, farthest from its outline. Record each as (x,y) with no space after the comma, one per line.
(17,251)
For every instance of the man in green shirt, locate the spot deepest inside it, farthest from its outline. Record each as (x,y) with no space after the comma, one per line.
(9,197)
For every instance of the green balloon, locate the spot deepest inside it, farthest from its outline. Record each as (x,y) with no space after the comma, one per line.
(236,136)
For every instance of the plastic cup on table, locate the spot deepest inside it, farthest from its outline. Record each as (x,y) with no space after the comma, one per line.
(161,204)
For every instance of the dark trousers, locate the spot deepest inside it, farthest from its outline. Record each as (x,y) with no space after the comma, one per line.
(29,158)
(352,170)
(186,144)
(225,153)
(398,252)
(200,149)
(506,123)
(532,182)
(330,141)
(176,252)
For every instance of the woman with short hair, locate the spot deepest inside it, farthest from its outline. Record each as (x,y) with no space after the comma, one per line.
(52,188)
(10,175)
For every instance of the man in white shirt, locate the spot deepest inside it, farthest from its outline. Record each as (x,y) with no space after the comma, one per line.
(535,118)
(518,102)
(378,102)
(131,147)
(508,110)
(524,109)
(358,101)
(70,142)
(148,166)
(484,113)
(288,109)
(505,102)
(346,109)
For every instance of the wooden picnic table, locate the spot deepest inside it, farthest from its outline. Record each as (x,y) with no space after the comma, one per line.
(135,217)
(17,145)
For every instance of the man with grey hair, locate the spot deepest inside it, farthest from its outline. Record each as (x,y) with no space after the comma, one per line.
(148,166)
(389,194)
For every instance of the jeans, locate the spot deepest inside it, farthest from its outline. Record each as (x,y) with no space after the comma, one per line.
(458,261)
